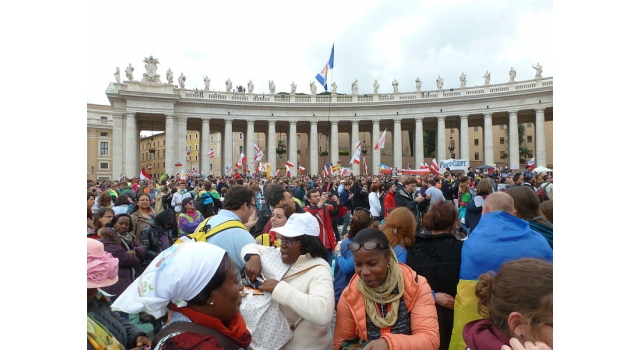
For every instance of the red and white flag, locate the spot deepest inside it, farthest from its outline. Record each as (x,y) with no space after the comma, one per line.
(241,161)
(177,163)
(277,173)
(356,156)
(144,175)
(435,169)
(343,172)
(532,163)
(149,167)
(380,143)
(259,154)
(211,153)
(301,168)
(289,164)
(366,169)
(424,166)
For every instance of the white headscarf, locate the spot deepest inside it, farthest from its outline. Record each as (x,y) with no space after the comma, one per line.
(176,275)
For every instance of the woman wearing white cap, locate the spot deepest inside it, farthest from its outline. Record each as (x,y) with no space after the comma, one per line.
(305,292)
(105,328)
(198,281)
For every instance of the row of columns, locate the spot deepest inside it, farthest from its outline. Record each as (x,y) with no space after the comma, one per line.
(176,129)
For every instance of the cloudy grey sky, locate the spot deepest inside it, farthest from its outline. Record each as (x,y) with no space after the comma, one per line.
(287,41)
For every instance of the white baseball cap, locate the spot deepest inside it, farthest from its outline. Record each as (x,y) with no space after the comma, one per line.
(299,224)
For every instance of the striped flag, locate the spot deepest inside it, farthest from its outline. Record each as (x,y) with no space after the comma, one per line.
(144,175)
(277,173)
(435,169)
(241,161)
(259,154)
(177,163)
(211,153)
(301,168)
(322,76)
(289,164)
(356,156)
(149,167)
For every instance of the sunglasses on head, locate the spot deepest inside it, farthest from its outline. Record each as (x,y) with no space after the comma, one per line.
(365,209)
(367,246)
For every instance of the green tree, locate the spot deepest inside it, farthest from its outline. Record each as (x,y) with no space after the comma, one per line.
(522,146)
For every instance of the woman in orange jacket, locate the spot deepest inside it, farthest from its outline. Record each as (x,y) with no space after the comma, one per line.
(386,304)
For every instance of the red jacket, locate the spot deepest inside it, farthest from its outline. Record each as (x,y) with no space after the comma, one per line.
(324,216)
(389,202)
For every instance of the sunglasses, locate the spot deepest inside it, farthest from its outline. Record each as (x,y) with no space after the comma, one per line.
(367,246)
(285,243)
(365,209)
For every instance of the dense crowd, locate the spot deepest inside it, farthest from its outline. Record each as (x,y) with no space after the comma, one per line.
(453,261)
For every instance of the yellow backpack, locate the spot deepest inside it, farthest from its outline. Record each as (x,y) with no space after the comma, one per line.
(204,230)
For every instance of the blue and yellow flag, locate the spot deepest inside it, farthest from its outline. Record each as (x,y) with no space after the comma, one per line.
(498,238)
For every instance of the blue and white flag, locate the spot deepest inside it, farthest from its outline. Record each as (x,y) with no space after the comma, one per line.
(322,76)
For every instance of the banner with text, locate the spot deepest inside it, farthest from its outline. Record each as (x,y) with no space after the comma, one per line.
(454,164)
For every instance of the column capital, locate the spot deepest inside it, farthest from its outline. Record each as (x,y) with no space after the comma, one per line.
(292,122)
(273,122)
(487,115)
(182,117)
(376,121)
(312,122)
(228,121)
(334,122)
(463,115)
(512,112)
(539,109)
(170,115)
(397,121)
(440,117)
(249,121)
(131,114)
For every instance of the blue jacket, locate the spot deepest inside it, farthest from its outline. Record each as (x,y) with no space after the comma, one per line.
(344,269)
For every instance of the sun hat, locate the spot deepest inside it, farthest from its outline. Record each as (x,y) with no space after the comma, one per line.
(102,267)
(299,224)
(178,274)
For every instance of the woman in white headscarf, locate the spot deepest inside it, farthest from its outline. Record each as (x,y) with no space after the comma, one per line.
(199,282)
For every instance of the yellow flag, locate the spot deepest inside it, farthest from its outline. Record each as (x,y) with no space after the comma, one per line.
(268,171)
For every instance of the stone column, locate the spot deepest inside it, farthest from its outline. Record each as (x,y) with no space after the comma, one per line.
(375,154)
(355,132)
(397,143)
(541,139)
(227,150)
(442,142)
(117,149)
(271,146)
(131,146)
(464,137)
(334,143)
(170,145)
(488,139)
(313,149)
(418,144)
(205,147)
(514,142)
(249,150)
(181,136)
(293,148)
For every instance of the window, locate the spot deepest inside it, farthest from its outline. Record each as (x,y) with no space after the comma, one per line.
(196,136)
(210,139)
(104,166)
(163,141)
(503,155)
(502,140)
(186,137)
(502,127)
(164,153)
(529,139)
(528,125)
(103,120)
(477,156)
(104,148)
(196,157)
(240,149)
(452,131)
(104,134)
(476,142)
(210,166)
(240,136)
(475,128)
(196,147)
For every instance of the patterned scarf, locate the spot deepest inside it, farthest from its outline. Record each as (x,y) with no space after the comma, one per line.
(384,294)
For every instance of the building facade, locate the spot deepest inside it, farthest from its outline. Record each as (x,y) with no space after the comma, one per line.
(312,130)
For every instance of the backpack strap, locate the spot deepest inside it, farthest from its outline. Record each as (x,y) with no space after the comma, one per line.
(224,341)
(204,231)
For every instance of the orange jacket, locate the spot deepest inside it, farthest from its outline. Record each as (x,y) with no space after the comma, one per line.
(351,321)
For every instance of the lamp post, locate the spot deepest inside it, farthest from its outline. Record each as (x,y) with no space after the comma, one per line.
(452,147)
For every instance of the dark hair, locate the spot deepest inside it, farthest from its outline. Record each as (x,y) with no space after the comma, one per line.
(165,217)
(360,220)
(440,216)
(236,197)
(288,211)
(115,219)
(371,235)
(104,199)
(484,187)
(216,281)
(89,210)
(184,202)
(207,185)
(313,190)
(546,209)
(313,246)
(122,199)
(525,201)
(135,207)
(276,197)
(411,180)
(101,212)
(524,286)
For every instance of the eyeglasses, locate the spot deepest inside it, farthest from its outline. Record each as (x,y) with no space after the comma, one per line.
(190,203)
(143,200)
(253,205)
(367,246)
(285,243)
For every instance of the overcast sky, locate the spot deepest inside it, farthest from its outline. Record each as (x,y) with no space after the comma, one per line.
(287,41)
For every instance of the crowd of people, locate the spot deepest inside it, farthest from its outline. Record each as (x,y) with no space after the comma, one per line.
(455,261)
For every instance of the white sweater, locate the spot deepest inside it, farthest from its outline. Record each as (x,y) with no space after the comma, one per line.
(308,295)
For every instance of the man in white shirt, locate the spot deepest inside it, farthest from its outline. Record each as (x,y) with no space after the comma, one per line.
(181,194)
